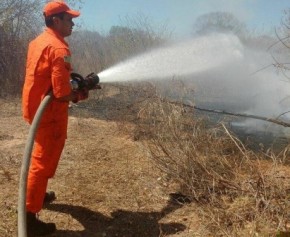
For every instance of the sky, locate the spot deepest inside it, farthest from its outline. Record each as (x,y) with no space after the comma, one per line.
(179,15)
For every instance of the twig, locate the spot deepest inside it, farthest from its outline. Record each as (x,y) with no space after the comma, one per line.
(279,122)
(231,137)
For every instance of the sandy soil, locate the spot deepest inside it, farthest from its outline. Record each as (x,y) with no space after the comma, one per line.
(106,184)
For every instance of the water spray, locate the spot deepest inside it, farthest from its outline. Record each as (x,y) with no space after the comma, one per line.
(186,58)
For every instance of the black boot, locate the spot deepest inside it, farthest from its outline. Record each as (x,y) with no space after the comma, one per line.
(36,227)
(49,198)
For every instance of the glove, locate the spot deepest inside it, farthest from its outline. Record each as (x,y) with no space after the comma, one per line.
(80,95)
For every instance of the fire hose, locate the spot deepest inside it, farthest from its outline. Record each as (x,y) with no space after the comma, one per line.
(90,82)
(22,231)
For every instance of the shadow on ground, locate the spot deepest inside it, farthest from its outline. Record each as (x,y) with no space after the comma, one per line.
(121,223)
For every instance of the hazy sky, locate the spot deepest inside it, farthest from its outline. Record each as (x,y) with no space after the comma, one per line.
(180,15)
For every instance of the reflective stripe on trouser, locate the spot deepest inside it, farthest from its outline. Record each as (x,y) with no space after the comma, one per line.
(49,143)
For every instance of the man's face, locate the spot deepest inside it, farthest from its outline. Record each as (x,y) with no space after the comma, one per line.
(64,26)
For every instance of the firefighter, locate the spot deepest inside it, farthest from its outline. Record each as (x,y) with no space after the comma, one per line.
(48,69)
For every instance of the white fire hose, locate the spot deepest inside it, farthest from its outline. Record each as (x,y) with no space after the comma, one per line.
(22,225)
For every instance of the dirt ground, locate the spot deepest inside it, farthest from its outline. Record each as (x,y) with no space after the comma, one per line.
(106,184)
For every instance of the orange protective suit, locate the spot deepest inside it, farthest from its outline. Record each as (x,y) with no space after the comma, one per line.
(48,68)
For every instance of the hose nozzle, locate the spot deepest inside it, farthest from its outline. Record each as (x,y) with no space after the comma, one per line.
(90,82)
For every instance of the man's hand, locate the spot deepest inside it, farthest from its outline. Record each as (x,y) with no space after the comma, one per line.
(80,95)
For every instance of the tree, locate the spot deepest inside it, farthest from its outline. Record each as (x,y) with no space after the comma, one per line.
(136,35)
(18,22)
(281,47)
(224,22)
(90,51)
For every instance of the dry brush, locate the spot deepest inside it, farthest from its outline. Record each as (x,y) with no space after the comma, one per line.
(238,192)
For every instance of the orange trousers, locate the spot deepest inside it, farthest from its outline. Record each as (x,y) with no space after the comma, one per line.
(49,142)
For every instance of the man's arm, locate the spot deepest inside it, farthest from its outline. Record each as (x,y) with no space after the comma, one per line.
(61,72)
(60,76)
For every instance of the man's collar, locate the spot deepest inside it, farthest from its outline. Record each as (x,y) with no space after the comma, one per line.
(55,34)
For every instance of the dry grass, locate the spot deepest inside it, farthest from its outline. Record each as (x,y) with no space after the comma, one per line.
(239,192)
(107,186)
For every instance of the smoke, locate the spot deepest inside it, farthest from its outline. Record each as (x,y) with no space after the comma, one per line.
(224,74)
(248,85)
